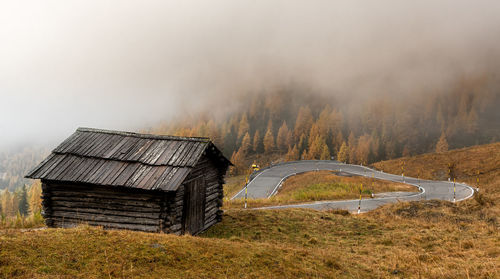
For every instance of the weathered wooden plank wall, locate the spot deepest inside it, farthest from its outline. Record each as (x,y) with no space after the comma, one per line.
(68,205)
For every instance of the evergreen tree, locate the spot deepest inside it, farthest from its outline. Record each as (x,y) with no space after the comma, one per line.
(23,202)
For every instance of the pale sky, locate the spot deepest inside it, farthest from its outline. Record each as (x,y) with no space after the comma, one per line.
(128,64)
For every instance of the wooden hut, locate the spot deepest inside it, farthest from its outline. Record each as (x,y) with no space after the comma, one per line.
(133,181)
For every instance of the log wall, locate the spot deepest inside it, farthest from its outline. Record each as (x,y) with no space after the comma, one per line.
(68,205)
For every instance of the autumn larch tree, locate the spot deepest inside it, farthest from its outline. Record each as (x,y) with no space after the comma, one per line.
(243,126)
(269,144)
(325,153)
(303,123)
(282,138)
(35,197)
(8,204)
(302,144)
(363,149)
(292,154)
(246,144)
(257,142)
(442,144)
(317,148)
(238,159)
(352,143)
(343,155)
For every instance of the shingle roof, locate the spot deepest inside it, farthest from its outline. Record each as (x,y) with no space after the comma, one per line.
(144,161)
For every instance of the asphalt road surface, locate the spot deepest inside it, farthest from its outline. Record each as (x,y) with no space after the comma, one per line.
(269,180)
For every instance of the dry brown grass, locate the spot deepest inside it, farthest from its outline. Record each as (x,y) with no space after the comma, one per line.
(233,185)
(18,222)
(427,239)
(467,162)
(336,187)
(430,239)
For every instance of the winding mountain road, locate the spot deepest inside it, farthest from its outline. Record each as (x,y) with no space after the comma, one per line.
(267,182)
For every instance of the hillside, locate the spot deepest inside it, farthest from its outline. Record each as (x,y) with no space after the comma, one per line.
(427,239)
(467,164)
(430,240)
(14,164)
(296,123)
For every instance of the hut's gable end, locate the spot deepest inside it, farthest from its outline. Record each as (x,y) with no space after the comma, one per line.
(211,179)
(68,205)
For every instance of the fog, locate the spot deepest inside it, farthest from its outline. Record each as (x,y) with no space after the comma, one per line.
(129,64)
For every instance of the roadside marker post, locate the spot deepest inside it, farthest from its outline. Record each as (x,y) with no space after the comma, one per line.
(403,171)
(373,182)
(253,169)
(477,181)
(359,204)
(418,181)
(449,171)
(246,191)
(454,190)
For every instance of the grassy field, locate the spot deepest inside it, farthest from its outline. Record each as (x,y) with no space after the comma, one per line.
(22,222)
(466,163)
(409,240)
(321,185)
(233,185)
(426,239)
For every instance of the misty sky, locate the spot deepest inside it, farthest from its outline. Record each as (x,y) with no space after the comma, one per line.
(128,64)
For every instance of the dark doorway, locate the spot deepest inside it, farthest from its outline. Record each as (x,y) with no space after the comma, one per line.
(194,206)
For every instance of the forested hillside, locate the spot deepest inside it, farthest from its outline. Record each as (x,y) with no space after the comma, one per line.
(292,124)
(15,163)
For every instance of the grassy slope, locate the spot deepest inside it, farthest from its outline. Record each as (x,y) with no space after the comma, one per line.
(433,240)
(322,185)
(467,161)
(429,239)
(233,185)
